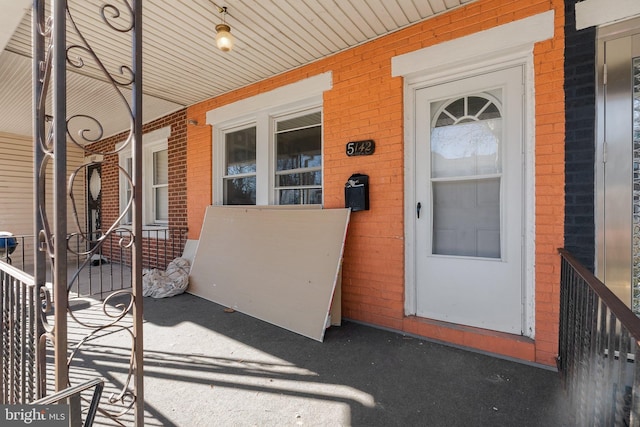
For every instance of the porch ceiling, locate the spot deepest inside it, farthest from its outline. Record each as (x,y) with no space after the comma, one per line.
(181,64)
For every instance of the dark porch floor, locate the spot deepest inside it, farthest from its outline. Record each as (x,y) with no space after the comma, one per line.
(205,367)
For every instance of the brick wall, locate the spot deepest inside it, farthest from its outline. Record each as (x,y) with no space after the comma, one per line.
(550,132)
(580,93)
(177,144)
(159,248)
(367,103)
(177,152)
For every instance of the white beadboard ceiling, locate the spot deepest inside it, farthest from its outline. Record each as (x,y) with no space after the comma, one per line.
(182,66)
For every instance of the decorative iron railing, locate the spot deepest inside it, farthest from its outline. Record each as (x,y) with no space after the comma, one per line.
(20,307)
(598,349)
(73,396)
(109,268)
(159,248)
(61,44)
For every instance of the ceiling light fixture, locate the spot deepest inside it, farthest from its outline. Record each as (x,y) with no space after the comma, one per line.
(224,39)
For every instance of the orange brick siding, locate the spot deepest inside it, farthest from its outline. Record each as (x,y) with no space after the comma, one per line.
(199,172)
(367,103)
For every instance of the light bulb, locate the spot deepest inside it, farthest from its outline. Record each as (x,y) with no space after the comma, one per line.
(224,39)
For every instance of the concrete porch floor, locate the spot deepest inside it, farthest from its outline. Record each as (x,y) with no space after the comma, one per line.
(206,367)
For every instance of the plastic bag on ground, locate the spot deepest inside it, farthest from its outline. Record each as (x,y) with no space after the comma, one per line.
(161,284)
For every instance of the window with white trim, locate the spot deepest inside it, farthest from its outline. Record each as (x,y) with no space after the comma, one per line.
(155,179)
(159,167)
(272,158)
(239,175)
(298,164)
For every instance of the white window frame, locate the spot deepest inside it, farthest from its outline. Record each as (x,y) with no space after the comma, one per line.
(265,124)
(297,99)
(154,141)
(274,132)
(222,156)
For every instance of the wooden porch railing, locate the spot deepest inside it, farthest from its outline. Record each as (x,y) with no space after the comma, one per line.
(598,349)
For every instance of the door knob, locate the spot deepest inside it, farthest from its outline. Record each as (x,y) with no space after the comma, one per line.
(418,207)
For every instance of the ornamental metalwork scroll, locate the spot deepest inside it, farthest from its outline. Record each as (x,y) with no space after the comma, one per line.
(62,47)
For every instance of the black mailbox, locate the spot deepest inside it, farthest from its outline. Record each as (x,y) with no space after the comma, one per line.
(356,193)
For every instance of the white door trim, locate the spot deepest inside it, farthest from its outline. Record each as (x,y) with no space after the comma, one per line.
(477,48)
(590,13)
(523,58)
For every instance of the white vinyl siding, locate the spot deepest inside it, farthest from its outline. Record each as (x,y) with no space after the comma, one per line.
(17,190)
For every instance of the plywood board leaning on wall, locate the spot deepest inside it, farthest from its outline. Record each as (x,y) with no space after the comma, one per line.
(278,265)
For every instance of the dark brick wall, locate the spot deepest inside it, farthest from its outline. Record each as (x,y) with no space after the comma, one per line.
(158,249)
(580,98)
(177,150)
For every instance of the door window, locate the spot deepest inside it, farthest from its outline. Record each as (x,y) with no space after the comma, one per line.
(466,173)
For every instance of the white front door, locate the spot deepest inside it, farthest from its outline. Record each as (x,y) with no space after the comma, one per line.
(469,201)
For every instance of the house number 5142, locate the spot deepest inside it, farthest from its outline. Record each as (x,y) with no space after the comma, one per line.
(361,148)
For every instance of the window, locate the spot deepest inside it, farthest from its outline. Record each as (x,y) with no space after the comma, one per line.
(466,174)
(272,159)
(155,179)
(160,185)
(268,148)
(239,176)
(298,165)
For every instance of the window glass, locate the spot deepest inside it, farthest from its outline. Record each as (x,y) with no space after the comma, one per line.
(239,186)
(300,122)
(309,196)
(276,159)
(155,179)
(128,191)
(161,167)
(456,108)
(465,138)
(298,168)
(240,191)
(466,170)
(240,153)
(466,149)
(162,204)
(466,218)
(304,178)
(299,149)
(161,185)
